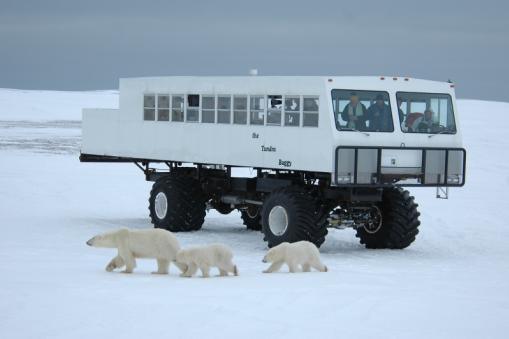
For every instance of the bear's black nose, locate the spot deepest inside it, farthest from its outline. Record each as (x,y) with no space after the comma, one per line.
(89,242)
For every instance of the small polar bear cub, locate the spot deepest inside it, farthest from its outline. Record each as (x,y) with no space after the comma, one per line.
(205,257)
(156,244)
(302,253)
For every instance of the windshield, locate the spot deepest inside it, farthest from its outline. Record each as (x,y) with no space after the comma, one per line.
(425,113)
(363,111)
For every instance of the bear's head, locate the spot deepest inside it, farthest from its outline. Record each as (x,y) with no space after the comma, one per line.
(103,240)
(181,256)
(274,253)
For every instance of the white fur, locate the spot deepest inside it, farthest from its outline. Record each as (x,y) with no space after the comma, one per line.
(302,253)
(155,243)
(205,257)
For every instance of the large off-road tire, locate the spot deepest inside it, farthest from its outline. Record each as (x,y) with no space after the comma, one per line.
(398,223)
(289,215)
(252,218)
(177,204)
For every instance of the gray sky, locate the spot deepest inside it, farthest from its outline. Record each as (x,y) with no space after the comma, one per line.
(89,44)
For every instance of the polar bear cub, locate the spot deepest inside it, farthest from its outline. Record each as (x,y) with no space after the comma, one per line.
(301,253)
(205,257)
(155,243)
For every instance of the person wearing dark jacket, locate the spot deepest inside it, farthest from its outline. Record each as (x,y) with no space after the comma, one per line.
(379,116)
(354,114)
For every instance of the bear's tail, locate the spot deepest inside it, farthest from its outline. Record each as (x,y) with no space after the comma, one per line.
(235,270)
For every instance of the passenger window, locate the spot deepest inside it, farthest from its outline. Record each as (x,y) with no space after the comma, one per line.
(193,108)
(149,107)
(274,108)
(292,111)
(177,108)
(208,109)
(426,113)
(256,110)
(310,111)
(362,110)
(224,109)
(163,107)
(240,110)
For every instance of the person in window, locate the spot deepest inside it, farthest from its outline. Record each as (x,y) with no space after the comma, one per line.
(379,115)
(400,111)
(355,113)
(425,124)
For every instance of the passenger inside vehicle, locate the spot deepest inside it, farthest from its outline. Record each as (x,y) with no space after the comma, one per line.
(355,113)
(424,123)
(401,114)
(379,116)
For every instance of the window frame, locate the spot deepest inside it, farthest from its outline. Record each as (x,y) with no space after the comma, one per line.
(263,110)
(246,110)
(310,112)
(230,122)
(431,94)
(299,112)
(186,108)
(363,90)
(183,96)
(281,112)
(168,108)
(153,94)
(214,110)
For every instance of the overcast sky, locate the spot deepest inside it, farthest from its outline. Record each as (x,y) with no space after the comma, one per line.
(89,44)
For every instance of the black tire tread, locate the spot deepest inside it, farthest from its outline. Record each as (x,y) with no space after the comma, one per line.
(400,222)
(186,203)
(254,224)
(307,225)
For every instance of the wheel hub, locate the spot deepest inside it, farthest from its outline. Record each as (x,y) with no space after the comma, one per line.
(278,220)
(252,212)
(374,222)
(161,205)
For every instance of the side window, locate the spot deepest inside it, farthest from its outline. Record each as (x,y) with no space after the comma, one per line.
(292,111)
(177,108)
(208,109)
(256,109)
(224,109)
(425,113)
(193,108)
(149,107)
(274,108)
(356,110)
(163,107)
(310,111)
(240,110)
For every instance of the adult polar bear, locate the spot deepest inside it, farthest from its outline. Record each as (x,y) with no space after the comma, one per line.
(155,243)
(301,253)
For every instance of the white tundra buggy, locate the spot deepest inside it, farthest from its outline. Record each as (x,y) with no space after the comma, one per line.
(323,151)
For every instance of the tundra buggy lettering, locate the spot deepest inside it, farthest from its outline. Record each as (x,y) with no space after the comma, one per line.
(268,149)
(355,143)
(285,163)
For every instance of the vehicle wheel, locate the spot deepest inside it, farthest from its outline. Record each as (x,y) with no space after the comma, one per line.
(252,218)
(177,203)
(288,215)
(396,224)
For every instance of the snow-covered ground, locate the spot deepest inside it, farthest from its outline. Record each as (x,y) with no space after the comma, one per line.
(453,282)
